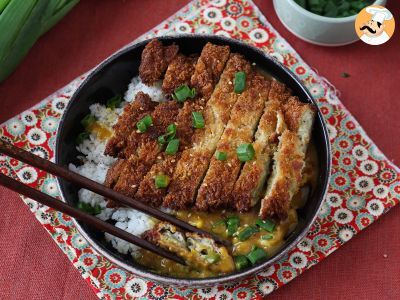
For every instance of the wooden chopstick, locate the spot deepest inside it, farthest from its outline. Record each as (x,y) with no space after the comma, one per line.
(84,217)
(100,189)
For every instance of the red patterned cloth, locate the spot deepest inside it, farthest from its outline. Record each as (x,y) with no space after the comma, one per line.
(364,184)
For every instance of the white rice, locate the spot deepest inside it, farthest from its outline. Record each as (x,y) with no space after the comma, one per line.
(95,166)
(155,92)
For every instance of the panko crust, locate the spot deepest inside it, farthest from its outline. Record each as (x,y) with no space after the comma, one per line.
(155,60)
(216,189)
(183,188)
(133,112)
(285,181)
(179,72)
(208,69)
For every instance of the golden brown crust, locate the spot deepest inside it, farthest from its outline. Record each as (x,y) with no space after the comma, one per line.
(195,161)
(216,189)
(279,92)
(286,177)
(133,112)
(155,60)
(249,186)
(209,68)
(179,72)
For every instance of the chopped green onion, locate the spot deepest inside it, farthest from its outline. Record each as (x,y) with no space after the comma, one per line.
(267,237)
(88,120)
(183,92)
(161,181)
(165,138)
(93,210)
(220,155)
(144,123)
(141,126)
(245,152)
(241,262)
(218,223)
(213,257)
(267,224)
(81,137)
(256,255)
(232,224)
(114,102)
(240,82)
(147,120)
(345,75)
(247,232)
(172,147)
(198,120)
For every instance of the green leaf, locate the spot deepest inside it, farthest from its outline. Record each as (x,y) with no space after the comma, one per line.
(57,15)
(3,4)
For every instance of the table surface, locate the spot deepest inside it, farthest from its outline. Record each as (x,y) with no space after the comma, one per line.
(32,266)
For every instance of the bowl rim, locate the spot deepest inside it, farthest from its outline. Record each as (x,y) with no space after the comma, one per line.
(198,282)
(328,19)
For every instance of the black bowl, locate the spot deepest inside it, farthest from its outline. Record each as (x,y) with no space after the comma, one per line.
(113,76)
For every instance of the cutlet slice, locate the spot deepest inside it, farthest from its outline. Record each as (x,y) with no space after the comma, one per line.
(208,70)
(289,160)
(212,61)
(133,112)
(279,92)
(179,72)
(143,149)
(194,162)
(250,184)
(155,60)
(216,190)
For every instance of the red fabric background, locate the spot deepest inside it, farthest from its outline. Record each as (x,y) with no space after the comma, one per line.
(31,265)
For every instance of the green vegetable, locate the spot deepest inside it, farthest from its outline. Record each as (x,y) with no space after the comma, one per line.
(213,257)
(183,92)
(171,132)
(114,102)
(220,155)
(240,82)
(198,120)
(267,224)
(334,8)
(161,181)
(172,147)
(247,232)
(218,223)
(232,224)
(144,123)
(267,237)
(241,262)
(256,255)
(345,75)
(141,126)
(22,23)
(93,210)
(88,120)
(81,137)
(245,152)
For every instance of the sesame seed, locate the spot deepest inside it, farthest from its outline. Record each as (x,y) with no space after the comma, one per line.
(158,157)
(173,160)
(137,131)
(253,64)
(230,82)
(133,186)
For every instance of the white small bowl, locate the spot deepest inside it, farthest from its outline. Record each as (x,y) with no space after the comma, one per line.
(316,29)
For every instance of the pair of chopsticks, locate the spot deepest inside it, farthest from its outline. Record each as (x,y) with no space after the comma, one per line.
(100,189)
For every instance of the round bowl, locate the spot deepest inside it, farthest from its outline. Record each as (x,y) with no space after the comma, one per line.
(316,29)
(112,77)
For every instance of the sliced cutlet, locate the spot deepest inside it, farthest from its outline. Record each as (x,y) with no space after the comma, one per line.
(194,161)
(155,60)
(279,92)
(212,61)
(289,159)
(133,112)
(250,184)
(179,72)
(142,149)
(208,69)
(216,190)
